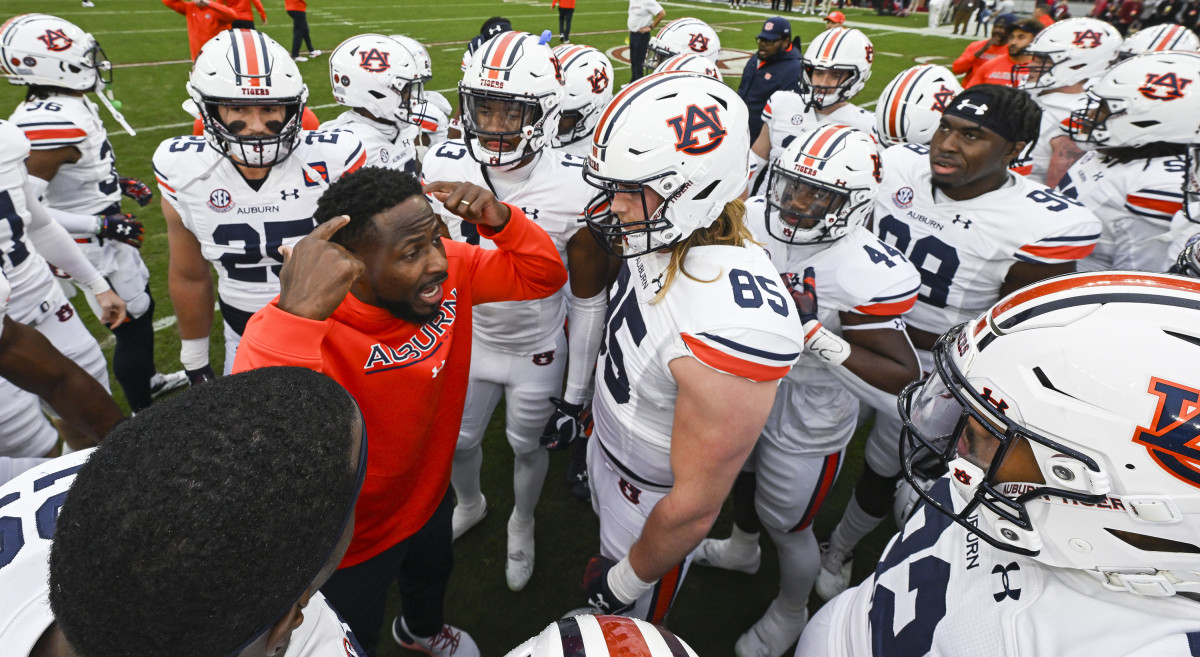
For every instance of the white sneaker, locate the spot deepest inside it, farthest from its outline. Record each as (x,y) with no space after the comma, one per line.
(88,3)
(466,517)
(450,642)
(300,58)
(519,567)
(834,576)
(774,633)
(721,553)
(161,384)
(314,53)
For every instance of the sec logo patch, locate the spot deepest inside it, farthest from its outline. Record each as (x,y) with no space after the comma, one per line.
(220,201)
(797,119)
(903,197)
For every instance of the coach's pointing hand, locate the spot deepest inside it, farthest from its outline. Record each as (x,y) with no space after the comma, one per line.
(471,202)
(317,273)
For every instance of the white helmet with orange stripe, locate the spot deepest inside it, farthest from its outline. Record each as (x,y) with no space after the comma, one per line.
(911,105)
(684,136)
(376,73)
(510,98)
(1147,99)
(823,185)
(587,88)
(1159,38)
(837,64)
(1068,52)
(690,63)
(238,68)
(1067,417)
(683,36)
(603,636)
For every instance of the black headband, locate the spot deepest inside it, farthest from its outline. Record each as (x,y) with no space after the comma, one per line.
(979,107)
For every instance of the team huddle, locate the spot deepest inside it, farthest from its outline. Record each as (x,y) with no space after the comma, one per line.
(1002,280)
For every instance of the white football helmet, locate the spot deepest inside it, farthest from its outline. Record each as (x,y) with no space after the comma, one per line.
(43,50)
(420,53)
(603,636)
(1066,415)
(247,67)
(692,64)
(1166,36)
(911,105)
(1140,101)
(823,185)
(510,97)
(683,136)
(377,74)
(1067,52)
(844,50)
(683,35)
(587,89)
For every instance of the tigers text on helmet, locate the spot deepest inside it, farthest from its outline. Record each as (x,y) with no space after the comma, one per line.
(378,74)
(1067,416)
(603,636)
(692,64)
(911,105)
(587,88)
(1068,52)
(823,185)
(1159,38)
(242,68)
(510,98)
(1151,98)
(43,50)
(844,53)
(680,36)
(682,136)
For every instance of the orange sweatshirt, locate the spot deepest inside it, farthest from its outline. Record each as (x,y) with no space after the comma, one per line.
(995,71)
(242,9)
(967,61)
(295,5)
(410,381)
(203,23)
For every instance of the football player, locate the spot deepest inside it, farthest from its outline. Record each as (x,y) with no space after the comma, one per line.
(1065,56)
(1064,416)
(587,89)
(699,331)
(681,36)
(434,115)
(1164,36)
(166,582)
(851,290)
(911,105)
(72,167)
(976,232)
(247,187)
(836,66)
(511,101)
(380,81)
(603,636)
(1137,135)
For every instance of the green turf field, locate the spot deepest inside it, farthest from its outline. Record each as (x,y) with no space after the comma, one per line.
(148,44)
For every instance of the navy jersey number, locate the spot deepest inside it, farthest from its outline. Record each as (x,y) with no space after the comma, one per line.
(16,226)
(12,535)
(248,266)
(187,144)
(937,280)
(623,311)
(748,291)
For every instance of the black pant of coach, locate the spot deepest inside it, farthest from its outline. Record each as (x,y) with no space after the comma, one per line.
(639,42)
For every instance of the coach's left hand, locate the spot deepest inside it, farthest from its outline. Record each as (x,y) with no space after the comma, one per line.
(471,202)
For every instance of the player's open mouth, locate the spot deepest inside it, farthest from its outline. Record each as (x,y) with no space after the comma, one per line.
(431,294)
(499,146)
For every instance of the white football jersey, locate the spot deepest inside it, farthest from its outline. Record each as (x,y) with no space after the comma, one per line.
(578,148)
(551,191)
(27,271)
(731,313)
(787,117)
(387,146)
(964,249)
(239,229)
(5,292)
(1134,202)
(939,590)
(1056,115)
(90,185)
(434,117)
(30,504)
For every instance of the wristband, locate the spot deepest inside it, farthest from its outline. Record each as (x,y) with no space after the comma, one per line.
(193,354)
(99,286)
(825,344)
(625,584)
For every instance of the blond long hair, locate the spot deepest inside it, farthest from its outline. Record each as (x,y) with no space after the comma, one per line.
(728,230)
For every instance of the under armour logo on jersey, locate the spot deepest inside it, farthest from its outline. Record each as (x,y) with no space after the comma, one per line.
(599,80)
(1167,86)
(1088,39)
(688,126)
(698,43)
(1000,404)
(56,40)
(1008,591)
(1173,437)
(295,194)
(942,98)
(979,110)
(631,492)
(531,213)
(965,222)
(374,61)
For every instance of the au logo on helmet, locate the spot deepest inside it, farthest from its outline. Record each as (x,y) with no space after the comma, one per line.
(689,125)
(942,98)
(599,80)
(373,60)
(56,40)
(1088,39)
(1167,86)
(698,43)
(1173,437)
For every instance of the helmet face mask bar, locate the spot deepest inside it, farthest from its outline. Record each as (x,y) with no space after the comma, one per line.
(1088,124)
(254,151)
(1191,183)
(801,211)
(498,120)
(827,95)
(629,239)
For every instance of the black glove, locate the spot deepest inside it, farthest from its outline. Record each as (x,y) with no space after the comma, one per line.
(202,375)
(595,585)
(569,421)
(804,293)
(122,228)
(136,190)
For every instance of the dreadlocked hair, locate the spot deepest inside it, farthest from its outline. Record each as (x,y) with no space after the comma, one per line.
(728,230)
(1148,152)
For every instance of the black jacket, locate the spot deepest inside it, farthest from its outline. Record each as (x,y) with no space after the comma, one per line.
(758,82)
